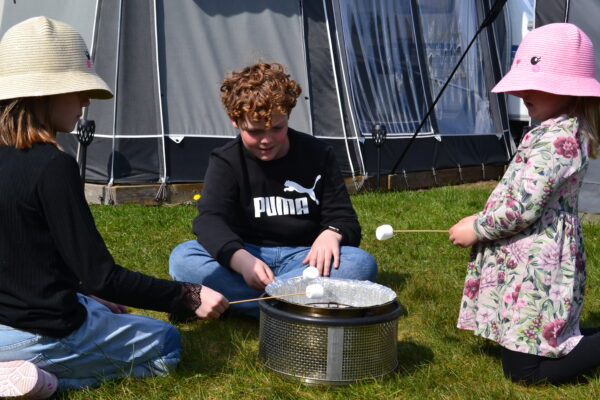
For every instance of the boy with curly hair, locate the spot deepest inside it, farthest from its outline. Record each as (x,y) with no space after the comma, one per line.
(274,200)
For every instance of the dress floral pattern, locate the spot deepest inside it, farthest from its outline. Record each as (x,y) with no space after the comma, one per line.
(526,276)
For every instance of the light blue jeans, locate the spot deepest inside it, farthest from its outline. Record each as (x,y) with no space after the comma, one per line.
(190,262)
(106,346)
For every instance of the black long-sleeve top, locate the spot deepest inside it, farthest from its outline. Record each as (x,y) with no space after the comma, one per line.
(50,248)
(282,202)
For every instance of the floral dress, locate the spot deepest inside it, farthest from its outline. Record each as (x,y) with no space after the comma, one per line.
(526,276)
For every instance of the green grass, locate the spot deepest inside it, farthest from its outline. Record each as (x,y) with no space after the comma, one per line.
(437,361)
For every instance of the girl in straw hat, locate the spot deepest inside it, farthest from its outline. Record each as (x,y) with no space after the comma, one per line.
(54,334)
(526,276)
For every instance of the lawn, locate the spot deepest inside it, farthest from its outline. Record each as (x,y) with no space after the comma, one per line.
(436,360)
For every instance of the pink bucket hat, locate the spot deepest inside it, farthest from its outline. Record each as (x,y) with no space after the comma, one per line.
(555,58)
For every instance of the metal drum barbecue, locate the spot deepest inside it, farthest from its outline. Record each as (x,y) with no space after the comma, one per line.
(348,334)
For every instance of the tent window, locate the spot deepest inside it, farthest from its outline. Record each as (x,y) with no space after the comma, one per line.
(398,54)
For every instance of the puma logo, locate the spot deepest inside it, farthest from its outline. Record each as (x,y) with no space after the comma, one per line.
(291,186)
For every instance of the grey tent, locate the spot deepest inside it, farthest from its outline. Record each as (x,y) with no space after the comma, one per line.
(359,64)
(583,13)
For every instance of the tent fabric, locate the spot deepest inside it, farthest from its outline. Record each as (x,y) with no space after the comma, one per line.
(584,14)
(359,63)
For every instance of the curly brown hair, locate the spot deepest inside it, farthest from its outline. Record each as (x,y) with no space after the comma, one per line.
(257,91)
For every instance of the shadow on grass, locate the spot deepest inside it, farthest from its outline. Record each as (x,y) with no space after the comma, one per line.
(592,319)
(393,280)
(210,346)
(491,349)
(412,357)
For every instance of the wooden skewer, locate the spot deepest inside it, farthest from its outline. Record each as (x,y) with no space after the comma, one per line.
(269,297)
(419,230)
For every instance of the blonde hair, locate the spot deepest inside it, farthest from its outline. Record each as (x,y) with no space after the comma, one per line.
(257,91)
(19,125)
(587,109)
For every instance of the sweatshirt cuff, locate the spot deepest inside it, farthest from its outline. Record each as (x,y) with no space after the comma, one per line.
(227,251)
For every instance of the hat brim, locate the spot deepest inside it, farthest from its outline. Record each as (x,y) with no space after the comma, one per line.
(550,83)
(48,84)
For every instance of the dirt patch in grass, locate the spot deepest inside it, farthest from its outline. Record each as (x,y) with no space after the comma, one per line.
(479,185)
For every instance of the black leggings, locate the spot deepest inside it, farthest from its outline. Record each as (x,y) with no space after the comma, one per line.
(531,369)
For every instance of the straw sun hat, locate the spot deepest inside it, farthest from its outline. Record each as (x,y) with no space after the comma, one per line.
(43,57)
(555,58)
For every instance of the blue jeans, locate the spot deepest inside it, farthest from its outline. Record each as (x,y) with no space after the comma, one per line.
(106,346)
(190,262)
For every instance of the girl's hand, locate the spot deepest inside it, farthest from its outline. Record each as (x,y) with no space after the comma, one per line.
(325,248)
(114,307)
(256,273)
(213,304)
(462,233)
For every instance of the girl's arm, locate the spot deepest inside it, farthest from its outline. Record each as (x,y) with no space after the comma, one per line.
(551,160)
(83,250)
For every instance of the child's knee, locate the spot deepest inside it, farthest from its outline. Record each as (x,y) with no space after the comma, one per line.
(178,259)
(362,264)
(370,266)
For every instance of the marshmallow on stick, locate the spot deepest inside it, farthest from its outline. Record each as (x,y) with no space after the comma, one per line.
(310,273)
(314,291)
(384,232)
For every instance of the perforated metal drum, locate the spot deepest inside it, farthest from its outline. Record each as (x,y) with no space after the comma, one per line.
(348,334)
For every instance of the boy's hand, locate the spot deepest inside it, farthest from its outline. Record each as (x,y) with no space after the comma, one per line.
(325,247)
(213,304)
(256,273)
(462,233)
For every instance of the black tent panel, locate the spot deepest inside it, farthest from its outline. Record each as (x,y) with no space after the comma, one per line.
(428,153)
(187,161)
(325,106)
(548,11)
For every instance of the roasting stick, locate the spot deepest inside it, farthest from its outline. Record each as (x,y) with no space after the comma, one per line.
(419,230)
(266,298)
(315,290)
(385,232)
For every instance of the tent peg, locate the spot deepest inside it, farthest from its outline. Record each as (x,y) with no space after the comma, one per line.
(405,178)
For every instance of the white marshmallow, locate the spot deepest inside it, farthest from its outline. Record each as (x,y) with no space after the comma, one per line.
(310,273)
(384,232)
(314,291)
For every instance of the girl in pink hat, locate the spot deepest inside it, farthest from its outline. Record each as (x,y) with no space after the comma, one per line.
(526,276)
(60,324)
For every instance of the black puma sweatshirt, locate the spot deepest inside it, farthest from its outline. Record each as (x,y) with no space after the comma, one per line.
(282,202)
